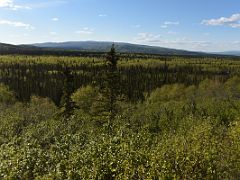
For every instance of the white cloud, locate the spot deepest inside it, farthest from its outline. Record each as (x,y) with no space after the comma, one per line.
(137,26)
(18,35)
(9,4)
(46,4)
(206,34)
(172,32)
(178,43)
(53,33)
(102,15)
(232,21)
(5,3)
(85,31)
(55,19)
(235,25)
(166,24)
(236,42)
(171,23)
(147,37)
(16,24)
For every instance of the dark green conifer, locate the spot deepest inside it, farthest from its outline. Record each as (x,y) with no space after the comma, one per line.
(106,104)
(66,101)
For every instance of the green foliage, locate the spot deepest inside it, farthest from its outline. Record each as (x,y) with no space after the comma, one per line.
(85,97)
(66,101)
(106,104)
(182,130)
(138,74)
(6,96)
(19,118)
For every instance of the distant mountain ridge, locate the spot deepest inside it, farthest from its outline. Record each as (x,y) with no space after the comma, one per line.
(14,48)
(86,47)
(98,46)
(231,53)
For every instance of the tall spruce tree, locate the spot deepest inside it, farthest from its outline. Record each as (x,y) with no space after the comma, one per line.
(112,81)
(106,105)
(66,101)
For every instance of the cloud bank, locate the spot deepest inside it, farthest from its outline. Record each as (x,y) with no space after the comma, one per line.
(16,24)
(232,21)
(9,4)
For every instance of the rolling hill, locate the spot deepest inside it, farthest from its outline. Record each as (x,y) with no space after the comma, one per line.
(97,46)
(90,47)
(231,53)
(9,48)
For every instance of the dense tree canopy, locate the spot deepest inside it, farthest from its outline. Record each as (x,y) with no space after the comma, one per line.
(186,127)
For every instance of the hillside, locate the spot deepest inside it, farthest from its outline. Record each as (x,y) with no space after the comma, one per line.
(6,49)
(9,48)
(231,53)
(95,46)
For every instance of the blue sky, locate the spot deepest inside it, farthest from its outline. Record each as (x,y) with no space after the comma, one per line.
(200,25)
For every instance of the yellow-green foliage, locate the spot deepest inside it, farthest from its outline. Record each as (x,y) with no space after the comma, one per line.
(85,97)
(6,96)
(178,132)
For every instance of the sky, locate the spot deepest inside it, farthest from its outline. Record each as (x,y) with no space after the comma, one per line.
(197,25)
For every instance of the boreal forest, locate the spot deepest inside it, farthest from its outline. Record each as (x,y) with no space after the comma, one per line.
(119,116)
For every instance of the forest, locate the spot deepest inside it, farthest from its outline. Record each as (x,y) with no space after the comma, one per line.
(116,116)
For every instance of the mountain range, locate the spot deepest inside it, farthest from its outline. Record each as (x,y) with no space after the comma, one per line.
(99,47)
(16,48)
(231,53)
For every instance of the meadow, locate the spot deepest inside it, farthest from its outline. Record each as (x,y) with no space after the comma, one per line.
(145,117)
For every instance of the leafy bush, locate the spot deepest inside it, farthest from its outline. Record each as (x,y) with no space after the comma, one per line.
(85,97)
(179,132)
(6,96)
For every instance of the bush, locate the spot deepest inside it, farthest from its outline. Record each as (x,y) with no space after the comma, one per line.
(85,97)
(6,96)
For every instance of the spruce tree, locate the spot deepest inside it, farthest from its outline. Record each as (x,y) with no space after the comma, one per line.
(112,81)
(106,104)
(66,101)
